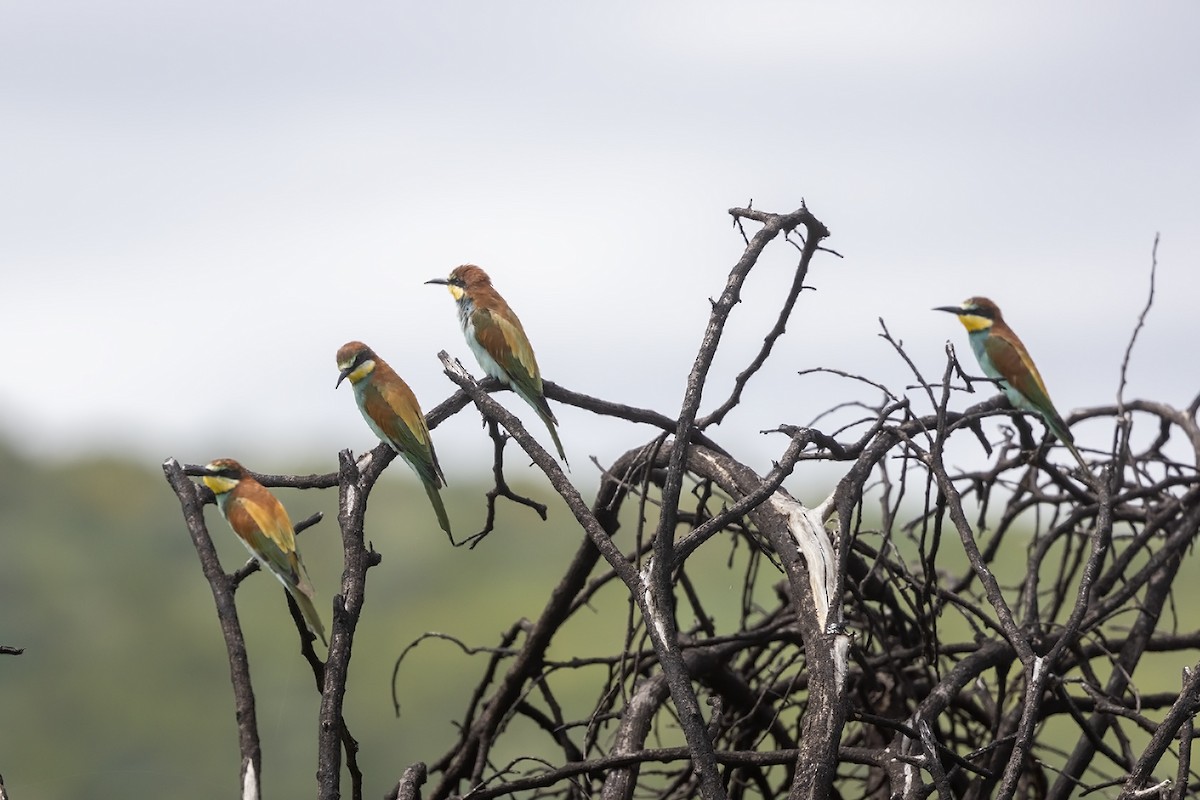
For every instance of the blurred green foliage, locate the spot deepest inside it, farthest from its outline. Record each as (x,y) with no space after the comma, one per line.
(123,689)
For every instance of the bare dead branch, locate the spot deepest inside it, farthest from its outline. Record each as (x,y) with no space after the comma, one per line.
(354,487)
(501,489)
(1141,322)
(222,587)
(871,652)
(817,232)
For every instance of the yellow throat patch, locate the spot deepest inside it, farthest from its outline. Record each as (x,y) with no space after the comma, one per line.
(361,371)
(219,484)
(974,322)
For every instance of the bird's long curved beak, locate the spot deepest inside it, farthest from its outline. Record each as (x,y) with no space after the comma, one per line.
(950,309)
(343,375)
(442,281)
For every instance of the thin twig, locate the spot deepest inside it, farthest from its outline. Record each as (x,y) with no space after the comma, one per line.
(1141,322)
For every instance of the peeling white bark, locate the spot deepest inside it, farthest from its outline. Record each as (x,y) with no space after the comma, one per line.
(807,526)
(652,607)
(249,782)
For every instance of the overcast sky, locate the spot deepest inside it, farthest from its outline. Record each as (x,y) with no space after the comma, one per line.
(202,201)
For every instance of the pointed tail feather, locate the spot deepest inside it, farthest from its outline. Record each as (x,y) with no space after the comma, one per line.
(550,426)
(435,498)
(538,403)
(1059,428)
(1078,457)
(309,612)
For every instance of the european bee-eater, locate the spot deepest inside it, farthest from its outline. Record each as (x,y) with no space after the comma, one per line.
(262,524)
(1002,356)
(495,336)
(392,412)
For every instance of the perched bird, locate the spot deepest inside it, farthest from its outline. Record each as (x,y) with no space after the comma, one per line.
(1002,356)
(262,524)
(392,412)
(498,341)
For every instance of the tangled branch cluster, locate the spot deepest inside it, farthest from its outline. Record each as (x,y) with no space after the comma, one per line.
(885,645)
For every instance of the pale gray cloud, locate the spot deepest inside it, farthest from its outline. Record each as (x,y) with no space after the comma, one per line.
(202,201)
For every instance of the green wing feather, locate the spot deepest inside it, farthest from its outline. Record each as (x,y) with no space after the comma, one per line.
(267,531)
(1018,370)
(509,347)
(394,413)
(392,410)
